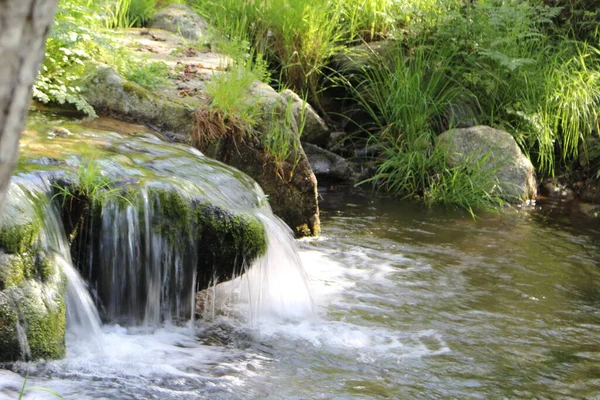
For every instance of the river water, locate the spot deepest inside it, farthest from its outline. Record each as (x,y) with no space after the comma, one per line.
(409,303)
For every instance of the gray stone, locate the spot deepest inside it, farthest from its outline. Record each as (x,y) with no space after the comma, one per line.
(329,165)
(514,172)
(180,19)
(315,130)
(109,93)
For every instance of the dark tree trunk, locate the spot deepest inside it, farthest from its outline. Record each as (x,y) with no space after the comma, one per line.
(24,25)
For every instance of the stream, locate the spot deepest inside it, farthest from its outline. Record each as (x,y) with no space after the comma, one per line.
(410,303)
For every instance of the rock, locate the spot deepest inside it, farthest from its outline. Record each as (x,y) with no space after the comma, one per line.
(32,287)
(290,184)
(512,169)
(180,19)
(589,210)
(315,130)
(329,165)
(111,94)
(552,188)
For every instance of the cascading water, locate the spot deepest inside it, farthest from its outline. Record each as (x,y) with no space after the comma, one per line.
(180,222)
(140,249)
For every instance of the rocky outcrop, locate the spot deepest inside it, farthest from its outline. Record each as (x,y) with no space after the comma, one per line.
(290,183)
(32,286)
(171,109)
(513,171)
(328,165)
(180,19)
(111,94)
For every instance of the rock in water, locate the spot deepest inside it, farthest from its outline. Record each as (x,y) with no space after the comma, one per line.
(32,286)
(514,171)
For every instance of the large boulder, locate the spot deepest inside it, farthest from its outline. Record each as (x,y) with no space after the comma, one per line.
(111,94)
(290,183)
(32,286)
(513,171)
(180,19)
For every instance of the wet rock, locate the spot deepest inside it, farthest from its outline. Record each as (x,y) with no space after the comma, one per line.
(329,165)
(589,210)
(514,171)
(554,189)
(32,287)
(315,130)
(180,19)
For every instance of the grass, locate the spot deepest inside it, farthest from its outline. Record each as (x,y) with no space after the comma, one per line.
(282,138)
(26,388)
(90,183)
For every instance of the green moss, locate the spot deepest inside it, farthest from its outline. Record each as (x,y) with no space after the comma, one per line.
(46,326)
(44,267)
(232,234)
(18,238)
(174,215)
(12,271)
(137,90)
(10,350)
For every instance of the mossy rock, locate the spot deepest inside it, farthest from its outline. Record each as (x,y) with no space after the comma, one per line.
(111,94)
(32,287)
(10,349)
(226,238)
(20,223)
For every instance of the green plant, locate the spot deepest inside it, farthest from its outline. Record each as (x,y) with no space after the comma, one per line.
(117,14)
(281,138)
(140,11)
(229,90)
(149,74)
(90,183)
(26,388)
(471,185)
(72,41)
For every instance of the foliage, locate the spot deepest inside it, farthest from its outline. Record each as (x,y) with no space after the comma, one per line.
(149,74)
(471,186)
(127,13)
(298,37)
(70,44)
(281,139)
(91,183)
(229,91)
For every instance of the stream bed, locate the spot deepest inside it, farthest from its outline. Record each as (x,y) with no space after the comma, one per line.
(411,303)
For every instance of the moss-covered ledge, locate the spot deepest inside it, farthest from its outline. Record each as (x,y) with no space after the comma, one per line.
(32,286)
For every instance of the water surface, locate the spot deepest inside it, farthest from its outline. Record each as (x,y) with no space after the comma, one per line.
(411,303)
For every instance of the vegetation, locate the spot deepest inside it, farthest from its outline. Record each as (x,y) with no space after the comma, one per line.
(530,67)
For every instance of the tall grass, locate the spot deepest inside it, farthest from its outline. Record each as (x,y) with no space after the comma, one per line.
(298,36)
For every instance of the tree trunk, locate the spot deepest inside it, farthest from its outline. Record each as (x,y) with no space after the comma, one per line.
(24,25)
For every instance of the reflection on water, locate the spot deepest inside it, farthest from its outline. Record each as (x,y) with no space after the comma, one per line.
(412,303)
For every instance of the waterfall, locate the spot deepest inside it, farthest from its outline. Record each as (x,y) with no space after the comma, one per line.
(82,315)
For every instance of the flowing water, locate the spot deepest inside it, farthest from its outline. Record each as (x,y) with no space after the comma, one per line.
(392,301)
(410,303)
